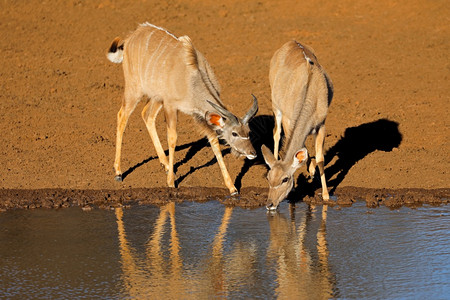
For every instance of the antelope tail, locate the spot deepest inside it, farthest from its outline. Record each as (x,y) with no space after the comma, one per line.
(115,53)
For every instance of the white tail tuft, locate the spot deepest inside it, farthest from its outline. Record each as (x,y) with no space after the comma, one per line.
(115,52)
(115,57)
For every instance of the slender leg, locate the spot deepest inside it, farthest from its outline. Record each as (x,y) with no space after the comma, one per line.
(226,176)
(276,132)
(312,163)
(128,105)
(171,120)
(312,167)
(149,114)
(320,139)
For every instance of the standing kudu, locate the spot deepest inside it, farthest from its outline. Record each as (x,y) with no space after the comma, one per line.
(172,74)
(301,94)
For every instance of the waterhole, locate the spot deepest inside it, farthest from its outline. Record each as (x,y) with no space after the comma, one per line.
(207,250)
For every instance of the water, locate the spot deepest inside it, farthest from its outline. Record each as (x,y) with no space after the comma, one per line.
(205,250)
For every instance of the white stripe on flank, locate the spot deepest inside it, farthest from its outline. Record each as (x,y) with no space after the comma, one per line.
(150,61)
(159,28)
(143,72)
(167,56)
(154,67)
(148,40)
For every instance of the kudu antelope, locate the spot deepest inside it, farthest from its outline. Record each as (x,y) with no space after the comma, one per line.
(172,74)
(301,94)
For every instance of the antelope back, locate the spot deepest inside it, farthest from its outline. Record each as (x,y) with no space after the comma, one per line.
(297,82)
(155,63)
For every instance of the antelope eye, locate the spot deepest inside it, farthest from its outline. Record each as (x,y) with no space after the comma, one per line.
(234,134)
(285,179)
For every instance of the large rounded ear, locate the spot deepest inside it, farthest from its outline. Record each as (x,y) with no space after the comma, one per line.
(299,158)
(214,120)
(268,156)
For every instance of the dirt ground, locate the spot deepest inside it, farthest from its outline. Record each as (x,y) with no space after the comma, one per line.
(387,127)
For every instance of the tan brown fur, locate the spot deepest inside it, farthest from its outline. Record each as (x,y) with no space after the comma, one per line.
(301,94)
(174,76)
(191,53)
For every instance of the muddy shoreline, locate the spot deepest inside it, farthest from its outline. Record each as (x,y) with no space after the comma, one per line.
(251,197)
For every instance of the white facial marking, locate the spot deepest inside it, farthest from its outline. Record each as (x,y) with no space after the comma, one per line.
(250,156)
(271,207)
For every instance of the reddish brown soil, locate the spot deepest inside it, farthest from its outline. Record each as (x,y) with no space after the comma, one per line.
(388,125)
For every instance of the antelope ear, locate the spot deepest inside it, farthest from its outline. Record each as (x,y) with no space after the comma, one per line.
(268,156)
(299,158)
(214,120)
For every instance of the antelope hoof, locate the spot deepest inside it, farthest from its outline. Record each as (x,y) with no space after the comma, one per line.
(118,178)
(165,167)
(234,196)
(171,183)
(326,197)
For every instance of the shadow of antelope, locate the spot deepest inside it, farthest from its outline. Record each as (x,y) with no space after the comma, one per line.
(356,143)
(194,147)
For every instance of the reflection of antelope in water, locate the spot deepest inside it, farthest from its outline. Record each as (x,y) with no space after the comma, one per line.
(298,274)
(227,272)
(155,277)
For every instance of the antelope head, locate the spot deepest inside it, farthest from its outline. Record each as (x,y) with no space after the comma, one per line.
(281,175)
(233,130)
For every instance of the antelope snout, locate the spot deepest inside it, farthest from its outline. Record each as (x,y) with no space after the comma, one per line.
(271,207)
(272,203)
(252,155)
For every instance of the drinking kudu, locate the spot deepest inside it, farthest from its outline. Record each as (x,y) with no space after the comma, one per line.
(301,94)
(173,75)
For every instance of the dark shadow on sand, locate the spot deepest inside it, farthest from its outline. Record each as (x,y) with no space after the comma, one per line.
(261,133)
(193,169)
(194,148)
(356,143)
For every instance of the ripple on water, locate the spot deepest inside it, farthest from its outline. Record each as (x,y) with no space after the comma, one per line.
(209,250)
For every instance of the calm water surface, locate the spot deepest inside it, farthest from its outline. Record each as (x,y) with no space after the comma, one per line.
(205,250)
